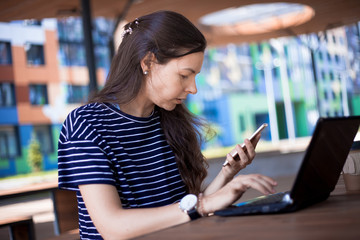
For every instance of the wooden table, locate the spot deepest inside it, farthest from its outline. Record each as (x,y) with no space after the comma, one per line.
(64,203)
(336,218)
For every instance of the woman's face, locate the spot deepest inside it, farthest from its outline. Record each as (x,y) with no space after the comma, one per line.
(169,84)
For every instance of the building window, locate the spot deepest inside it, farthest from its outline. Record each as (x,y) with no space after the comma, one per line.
(321,56)
(44,136)
(70,29)
(328,56)
(38,94)
(7,95)
(9,142)
(102,55)
(76,94)
(5,53)
(72,54)
(333,94)
(323,76)
(31,22)
(71,47)
(341,40)
(210,112)
(242,126)
(34,54)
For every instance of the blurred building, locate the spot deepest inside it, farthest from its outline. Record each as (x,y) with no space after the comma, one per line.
(43,76)
(287,82)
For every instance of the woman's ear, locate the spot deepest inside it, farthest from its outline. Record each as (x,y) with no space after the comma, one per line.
(147,62)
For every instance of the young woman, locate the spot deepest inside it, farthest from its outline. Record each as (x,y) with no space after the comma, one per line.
(133,153)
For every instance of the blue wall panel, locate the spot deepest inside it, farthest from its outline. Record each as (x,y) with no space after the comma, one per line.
(10,169)
(8,115)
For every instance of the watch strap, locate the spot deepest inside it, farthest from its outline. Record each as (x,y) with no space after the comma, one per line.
(193,214)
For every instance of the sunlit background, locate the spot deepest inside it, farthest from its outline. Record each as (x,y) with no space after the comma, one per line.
(288,82)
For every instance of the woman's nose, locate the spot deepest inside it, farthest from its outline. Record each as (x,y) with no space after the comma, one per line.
(191,87)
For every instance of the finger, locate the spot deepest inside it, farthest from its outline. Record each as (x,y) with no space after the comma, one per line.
(255,140)
(258,182)
(264,189)
(267,185)
(230,160)
(250,150)
(269,179)
(244,160)
(266,182)
(262,186)
(234,152)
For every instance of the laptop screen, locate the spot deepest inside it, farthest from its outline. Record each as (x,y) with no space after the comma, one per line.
(324,159)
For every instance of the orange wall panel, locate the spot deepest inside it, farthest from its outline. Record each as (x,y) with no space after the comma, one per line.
(19,65)
(80,75)
(51,74)
(51,48)
(74,75)
(37,74)
(22,94)
(6,73)
(101,76)
(25,74)
(29,114)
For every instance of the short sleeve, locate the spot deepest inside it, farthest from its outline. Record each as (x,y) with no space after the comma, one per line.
(81,155)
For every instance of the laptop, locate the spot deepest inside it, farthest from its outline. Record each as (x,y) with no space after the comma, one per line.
(318,174)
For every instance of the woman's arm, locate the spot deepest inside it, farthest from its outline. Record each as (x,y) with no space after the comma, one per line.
(228,172)
(113,222)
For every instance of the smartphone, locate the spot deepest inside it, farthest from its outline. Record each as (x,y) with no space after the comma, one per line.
(234,154)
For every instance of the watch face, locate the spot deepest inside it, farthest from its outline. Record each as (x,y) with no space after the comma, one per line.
(188,202)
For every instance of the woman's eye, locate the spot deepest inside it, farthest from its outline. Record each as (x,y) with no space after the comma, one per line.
(184,77)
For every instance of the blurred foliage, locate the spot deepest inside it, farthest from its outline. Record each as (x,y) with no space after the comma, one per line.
(35,156)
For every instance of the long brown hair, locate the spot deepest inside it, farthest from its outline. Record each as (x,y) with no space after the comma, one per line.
(167,35)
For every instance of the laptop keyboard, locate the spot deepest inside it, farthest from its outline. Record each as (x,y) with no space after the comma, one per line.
(273,198)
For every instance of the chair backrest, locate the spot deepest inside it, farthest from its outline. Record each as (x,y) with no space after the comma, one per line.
(66,211)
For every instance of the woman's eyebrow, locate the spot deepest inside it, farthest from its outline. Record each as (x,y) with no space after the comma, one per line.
(189,69)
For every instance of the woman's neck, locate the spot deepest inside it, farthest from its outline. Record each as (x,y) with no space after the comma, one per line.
(136,109)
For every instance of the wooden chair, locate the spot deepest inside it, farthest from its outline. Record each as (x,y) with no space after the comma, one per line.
(21,228)
(66,211)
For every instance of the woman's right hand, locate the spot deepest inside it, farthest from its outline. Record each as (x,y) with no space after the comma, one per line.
(233,190)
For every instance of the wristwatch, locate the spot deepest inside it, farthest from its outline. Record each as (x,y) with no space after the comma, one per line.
(188,205)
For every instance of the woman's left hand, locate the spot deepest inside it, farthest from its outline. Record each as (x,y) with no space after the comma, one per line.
(233,190)
(243,158)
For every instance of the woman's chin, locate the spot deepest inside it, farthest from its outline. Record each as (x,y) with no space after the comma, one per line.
(169,107)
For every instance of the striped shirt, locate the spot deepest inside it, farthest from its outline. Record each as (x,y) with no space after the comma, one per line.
(99,144)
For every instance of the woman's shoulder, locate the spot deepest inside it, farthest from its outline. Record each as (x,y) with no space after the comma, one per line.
(84,113)
(84,119)
(90,107)
(87,110)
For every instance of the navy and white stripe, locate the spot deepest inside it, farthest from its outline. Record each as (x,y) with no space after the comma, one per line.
(99,144)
